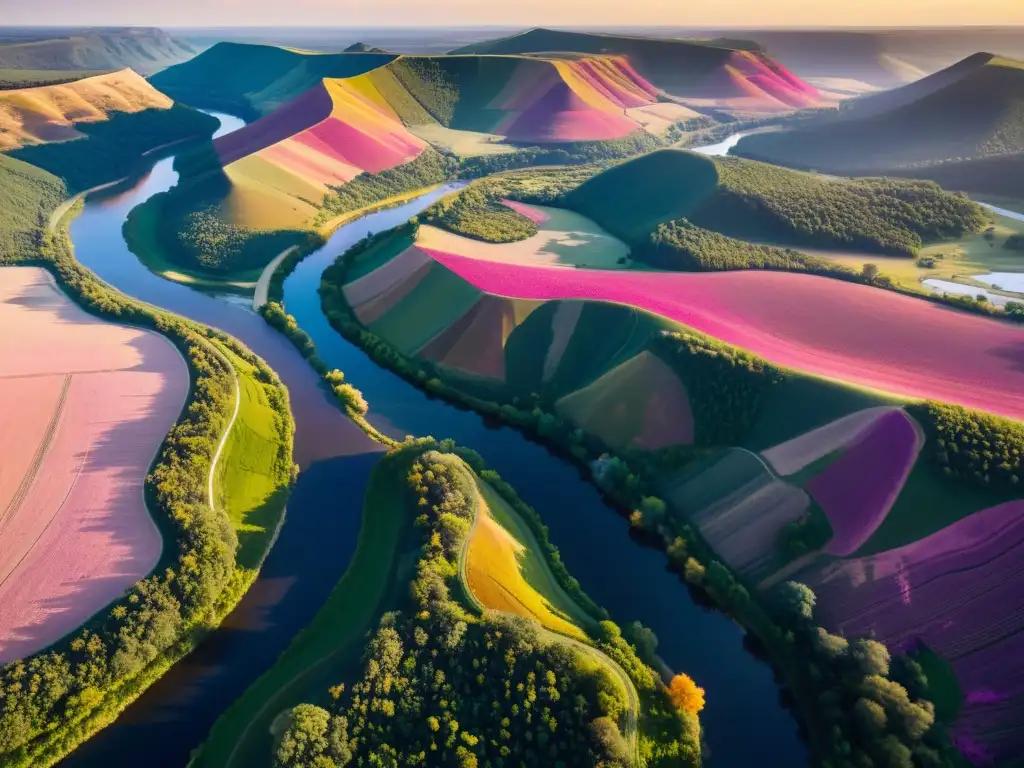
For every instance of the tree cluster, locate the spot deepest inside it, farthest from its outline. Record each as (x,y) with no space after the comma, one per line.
(575,153)
(441,686)
(863,694)
(726,385)
(973,447)
(28,195)
(429,168)
(887,216)
(477,212)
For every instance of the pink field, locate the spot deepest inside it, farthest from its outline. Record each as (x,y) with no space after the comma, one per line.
(960,591)
(533,214)
(793,455)
(827,327)
(857,490)
(84,407)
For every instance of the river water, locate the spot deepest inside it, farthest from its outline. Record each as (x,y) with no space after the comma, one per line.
(744,720)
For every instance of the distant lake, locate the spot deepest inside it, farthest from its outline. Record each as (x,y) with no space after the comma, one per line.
(959,289)
(1007,281)
(721,148)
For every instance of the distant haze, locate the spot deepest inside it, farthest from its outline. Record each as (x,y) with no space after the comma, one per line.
(745,13)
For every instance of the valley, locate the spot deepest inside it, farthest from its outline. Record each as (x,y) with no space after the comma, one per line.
(569,398)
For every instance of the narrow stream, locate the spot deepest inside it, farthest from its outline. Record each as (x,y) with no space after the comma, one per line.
(318,540)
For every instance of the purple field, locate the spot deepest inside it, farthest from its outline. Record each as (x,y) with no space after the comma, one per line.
(961,592)
(857,491)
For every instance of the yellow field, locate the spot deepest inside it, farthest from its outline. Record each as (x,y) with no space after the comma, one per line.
(507,573)
(49,113)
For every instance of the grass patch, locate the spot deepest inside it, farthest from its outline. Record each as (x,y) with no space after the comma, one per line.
(440,299)
(929,502)
(943,688)
(241,736)
(802,403)
(254,472)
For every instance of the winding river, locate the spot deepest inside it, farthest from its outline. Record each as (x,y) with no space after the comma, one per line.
(745,723)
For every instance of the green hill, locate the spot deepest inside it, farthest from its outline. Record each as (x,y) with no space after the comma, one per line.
(704,200)
(145,50)
(973,109)
(630,200)
(253,80)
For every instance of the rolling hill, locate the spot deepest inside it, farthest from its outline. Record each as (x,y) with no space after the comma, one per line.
(254,80)
(52,112)
(145,50)
(698,198)
(973,109)
(733,75)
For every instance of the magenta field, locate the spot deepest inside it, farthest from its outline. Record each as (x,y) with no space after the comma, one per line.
(960,591)
(857,490)
(827,327)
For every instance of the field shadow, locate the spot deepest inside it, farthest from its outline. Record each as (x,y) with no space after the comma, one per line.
(1013,353)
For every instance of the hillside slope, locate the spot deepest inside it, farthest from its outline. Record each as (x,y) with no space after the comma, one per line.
(703,197)
(145,50)
(713,73)
(254,80)
(50,113)
(973,109)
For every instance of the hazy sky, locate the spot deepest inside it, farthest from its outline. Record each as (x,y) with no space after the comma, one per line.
(513,12)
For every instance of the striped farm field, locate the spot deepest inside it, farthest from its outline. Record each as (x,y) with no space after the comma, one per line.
(84,407)
(839,330)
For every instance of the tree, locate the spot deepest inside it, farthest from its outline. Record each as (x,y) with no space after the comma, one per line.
(871,656)
(797,601)
(305,738)
(685,694)
(869,272)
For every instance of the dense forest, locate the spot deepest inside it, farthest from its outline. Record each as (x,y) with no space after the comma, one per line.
(441,685)
(86,677)
(112,149)
(28,195)
(683,246)
(877,215)
(973,447)
(726,385)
